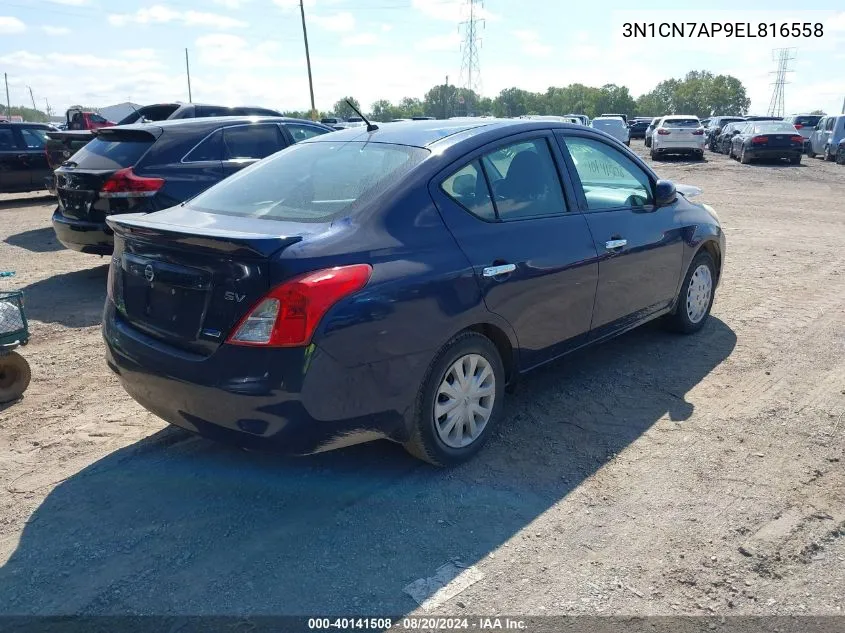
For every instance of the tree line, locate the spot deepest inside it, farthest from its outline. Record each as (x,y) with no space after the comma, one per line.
(700,92)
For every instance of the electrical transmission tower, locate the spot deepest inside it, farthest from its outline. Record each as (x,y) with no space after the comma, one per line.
(782,56)
(470,67)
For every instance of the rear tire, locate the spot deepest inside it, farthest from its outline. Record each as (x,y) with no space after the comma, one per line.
(743,158)
(700,155)
(467,350)
(827,155)
(810,152)
(795,160)
(692,306)
(14,377)
(653,153)
(840,156)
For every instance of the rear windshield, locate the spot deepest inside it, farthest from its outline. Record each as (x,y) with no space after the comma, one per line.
(311,182)
(102,154)
(773,127)
(608,123)
(811,120)
(681,123)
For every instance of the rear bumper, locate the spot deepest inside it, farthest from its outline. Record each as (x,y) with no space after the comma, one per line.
(86,237)
(773,152)
(295,400)
(678,146)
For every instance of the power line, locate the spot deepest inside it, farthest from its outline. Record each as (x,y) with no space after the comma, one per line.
(470,65)
(782,56)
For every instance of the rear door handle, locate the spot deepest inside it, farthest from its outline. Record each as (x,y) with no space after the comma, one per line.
(495,271)
(612,245)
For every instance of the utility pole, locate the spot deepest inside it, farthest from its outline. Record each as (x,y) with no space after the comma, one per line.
(49,109)
(843,106)
(782,56)
(8,103)
(470,67)
(31,96)
(188,71)
(308,61)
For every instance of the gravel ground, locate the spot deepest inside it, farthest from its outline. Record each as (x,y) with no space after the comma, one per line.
(655,474)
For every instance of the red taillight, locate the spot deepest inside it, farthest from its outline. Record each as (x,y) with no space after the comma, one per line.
(798,126)
(796,139)
(698,132)
(288,315)
(663,132)
(125,184)
(758,140)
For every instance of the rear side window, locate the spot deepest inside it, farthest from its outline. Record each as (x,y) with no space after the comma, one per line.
(468,188)
(252,141)
(300,132)
(610,179)
(7,139)
(311,182)
(34,137)
(524,180)
(210,149)
(112,154)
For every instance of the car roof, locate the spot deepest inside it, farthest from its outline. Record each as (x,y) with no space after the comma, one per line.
(680,116)
(213,122)
(26,123)
(438,132)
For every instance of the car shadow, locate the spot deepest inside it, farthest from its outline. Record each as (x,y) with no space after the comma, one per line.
(41,240)
(176,525)
(72,299)
(17,203)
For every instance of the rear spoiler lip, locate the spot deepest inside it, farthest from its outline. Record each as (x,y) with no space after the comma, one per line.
(226,242)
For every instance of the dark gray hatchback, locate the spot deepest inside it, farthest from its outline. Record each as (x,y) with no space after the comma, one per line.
(143,168)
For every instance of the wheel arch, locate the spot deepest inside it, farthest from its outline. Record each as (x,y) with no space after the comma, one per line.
(504,345)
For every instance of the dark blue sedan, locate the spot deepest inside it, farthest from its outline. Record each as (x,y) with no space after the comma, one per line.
(391,283)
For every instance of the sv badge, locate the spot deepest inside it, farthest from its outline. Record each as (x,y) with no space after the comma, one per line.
(233,296)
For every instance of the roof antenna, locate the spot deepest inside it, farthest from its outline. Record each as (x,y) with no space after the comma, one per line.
(370,126)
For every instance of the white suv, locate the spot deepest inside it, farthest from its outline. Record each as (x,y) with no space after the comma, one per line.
(678,134)
(613,125)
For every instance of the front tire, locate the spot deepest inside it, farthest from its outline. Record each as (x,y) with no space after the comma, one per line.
(692,307)
(14,377)
(840,156)
(459,402)
(743,158)
(810,152)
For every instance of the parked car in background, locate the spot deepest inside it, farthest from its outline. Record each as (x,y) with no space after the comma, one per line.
(624,117)
(723,141)
(171,111)
(144,167)
(23,164)
(678,134)
(81,119)
(825,138)
(62,145)
(236,314)
(840,153)
(585,120)
(705,123)
(713,130)
(767,139)
(763,118)
(805,124)
(650,130)
(637,127)
(614,126)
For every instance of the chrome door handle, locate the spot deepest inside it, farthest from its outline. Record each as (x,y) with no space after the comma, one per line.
(495,271)
(614,244)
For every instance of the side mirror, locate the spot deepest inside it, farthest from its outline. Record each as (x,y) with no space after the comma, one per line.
(665,193)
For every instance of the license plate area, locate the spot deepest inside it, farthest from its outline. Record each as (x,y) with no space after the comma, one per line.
(164,298)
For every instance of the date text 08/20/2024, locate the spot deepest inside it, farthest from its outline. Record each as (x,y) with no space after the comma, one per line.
(418,624)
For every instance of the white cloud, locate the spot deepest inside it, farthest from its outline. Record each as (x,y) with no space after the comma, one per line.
(224,51)
(531,44)
(55,30)
(452,10)
(10,25)
(125,60)
(337,23)
(162,14)
(361,39)
(290,5)
(231,4)
(836,22)
(450,42)
(386,27)
(72,3)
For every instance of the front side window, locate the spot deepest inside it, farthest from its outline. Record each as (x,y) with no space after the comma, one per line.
(829,125)
(609,179)
(7,139)
(524,180)
(252,141)
(468,188)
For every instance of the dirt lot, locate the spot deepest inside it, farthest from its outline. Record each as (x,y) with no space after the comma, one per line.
(656,474)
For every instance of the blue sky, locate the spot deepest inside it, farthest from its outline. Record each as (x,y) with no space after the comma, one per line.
(100,52)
